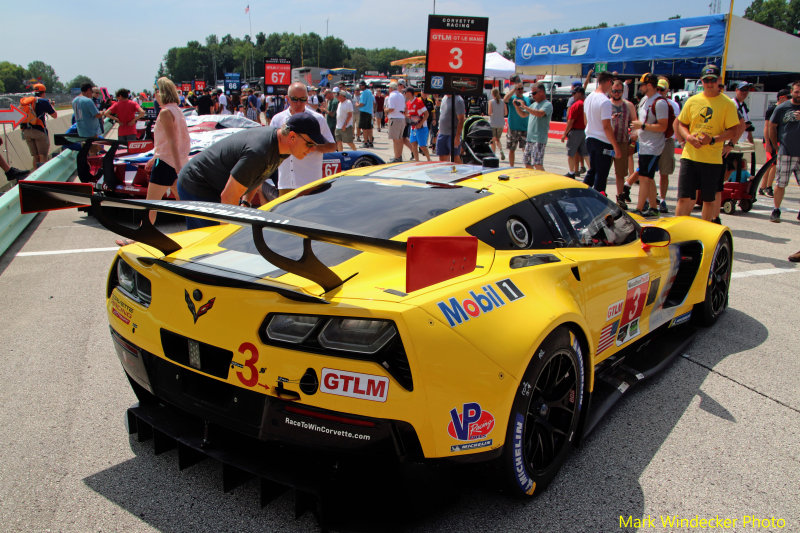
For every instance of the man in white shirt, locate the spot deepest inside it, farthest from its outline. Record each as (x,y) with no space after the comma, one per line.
(344,122)
(394,107)
(600,141)
(223,103)
(293,172)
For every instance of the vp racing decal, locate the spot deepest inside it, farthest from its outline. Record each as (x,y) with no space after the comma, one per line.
(472,424)
(487,299)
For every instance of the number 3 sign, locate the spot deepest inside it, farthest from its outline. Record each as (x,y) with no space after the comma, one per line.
(456,54)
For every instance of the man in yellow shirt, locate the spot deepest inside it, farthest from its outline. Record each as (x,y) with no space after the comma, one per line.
(706,121)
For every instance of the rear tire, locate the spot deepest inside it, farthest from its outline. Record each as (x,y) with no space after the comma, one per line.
(544,417)
(745,205)
(717,285)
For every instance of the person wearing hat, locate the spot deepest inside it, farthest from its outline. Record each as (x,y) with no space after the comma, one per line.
(765,189)
(707,120)
(295,172)
(653,118)
(231,170)
(35,132)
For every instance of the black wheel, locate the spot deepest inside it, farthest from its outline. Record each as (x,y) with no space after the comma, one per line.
(544,417)
(363,161)
(719,279)
(728,206)
(745,205)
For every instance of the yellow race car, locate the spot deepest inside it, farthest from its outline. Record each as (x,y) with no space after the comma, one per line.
(426,310)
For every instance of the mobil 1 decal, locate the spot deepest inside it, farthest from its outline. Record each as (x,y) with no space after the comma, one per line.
(470,424)
(635,300)
(456,55)
(479,301)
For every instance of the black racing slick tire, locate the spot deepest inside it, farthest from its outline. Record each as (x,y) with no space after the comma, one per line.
(717,285)
(544,417)
(363,161)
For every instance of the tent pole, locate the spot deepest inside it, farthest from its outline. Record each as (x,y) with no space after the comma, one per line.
(727,40)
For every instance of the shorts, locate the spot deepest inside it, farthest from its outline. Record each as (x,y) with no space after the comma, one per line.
(534,154)
(666,163)
(163,174)
(365,121)
(193,222)
(694,175)
(576,143)
(396,126)
(497,132)
(443,145)
(37,140)
(516,138)
(344,135)
(786,165)
(419,136)
(405,131)
(648,164)
(379,115)
(621,162)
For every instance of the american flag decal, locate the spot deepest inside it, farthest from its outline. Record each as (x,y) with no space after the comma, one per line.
(607,336)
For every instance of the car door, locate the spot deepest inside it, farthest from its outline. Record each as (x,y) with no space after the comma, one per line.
(620,279)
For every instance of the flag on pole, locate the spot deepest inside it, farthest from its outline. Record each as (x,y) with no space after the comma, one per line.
(247,9)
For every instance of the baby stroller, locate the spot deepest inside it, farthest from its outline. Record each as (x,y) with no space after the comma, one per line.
(476,145)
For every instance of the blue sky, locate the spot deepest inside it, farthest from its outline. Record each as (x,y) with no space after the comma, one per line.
(119,44)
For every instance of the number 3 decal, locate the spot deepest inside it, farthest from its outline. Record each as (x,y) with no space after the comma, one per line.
(457,62)
(250,364)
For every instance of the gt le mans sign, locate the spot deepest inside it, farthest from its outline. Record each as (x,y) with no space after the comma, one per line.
(456,54)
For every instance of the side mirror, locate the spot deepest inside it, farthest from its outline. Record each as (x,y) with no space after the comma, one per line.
(655,236)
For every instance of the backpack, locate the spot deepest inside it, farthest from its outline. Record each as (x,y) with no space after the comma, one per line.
(28,106)
(669,132)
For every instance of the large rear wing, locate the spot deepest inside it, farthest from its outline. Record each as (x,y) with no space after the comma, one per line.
(429,260)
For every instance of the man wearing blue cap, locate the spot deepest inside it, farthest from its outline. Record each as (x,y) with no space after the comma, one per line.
(231,170)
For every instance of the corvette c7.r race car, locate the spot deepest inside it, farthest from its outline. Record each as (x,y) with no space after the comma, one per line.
(424,309)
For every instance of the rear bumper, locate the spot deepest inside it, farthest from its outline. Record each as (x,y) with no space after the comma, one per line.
(186,405)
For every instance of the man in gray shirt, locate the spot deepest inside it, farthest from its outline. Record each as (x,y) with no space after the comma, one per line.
(651,125)
(230,171)
(445,129)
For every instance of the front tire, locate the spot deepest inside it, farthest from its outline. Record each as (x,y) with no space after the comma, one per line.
(719,279)
(544,417)
(363,161)
(728,207)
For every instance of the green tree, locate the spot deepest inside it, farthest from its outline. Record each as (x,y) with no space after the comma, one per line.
(490,48)
(511,48)
(778,14)
(40,69)
(13,77)
(79,80)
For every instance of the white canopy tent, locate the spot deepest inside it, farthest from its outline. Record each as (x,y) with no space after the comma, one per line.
(497,66)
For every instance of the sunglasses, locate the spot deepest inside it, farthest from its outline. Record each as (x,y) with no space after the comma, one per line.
(296,99)
(309,144)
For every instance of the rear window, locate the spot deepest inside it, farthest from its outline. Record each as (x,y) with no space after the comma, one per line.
(369,205)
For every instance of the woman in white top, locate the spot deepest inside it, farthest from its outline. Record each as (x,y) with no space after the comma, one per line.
(497,114)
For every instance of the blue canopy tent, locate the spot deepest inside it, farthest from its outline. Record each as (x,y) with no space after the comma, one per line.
(678,47)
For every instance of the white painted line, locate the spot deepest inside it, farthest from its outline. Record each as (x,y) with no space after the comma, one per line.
(62,252)
(765,272)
